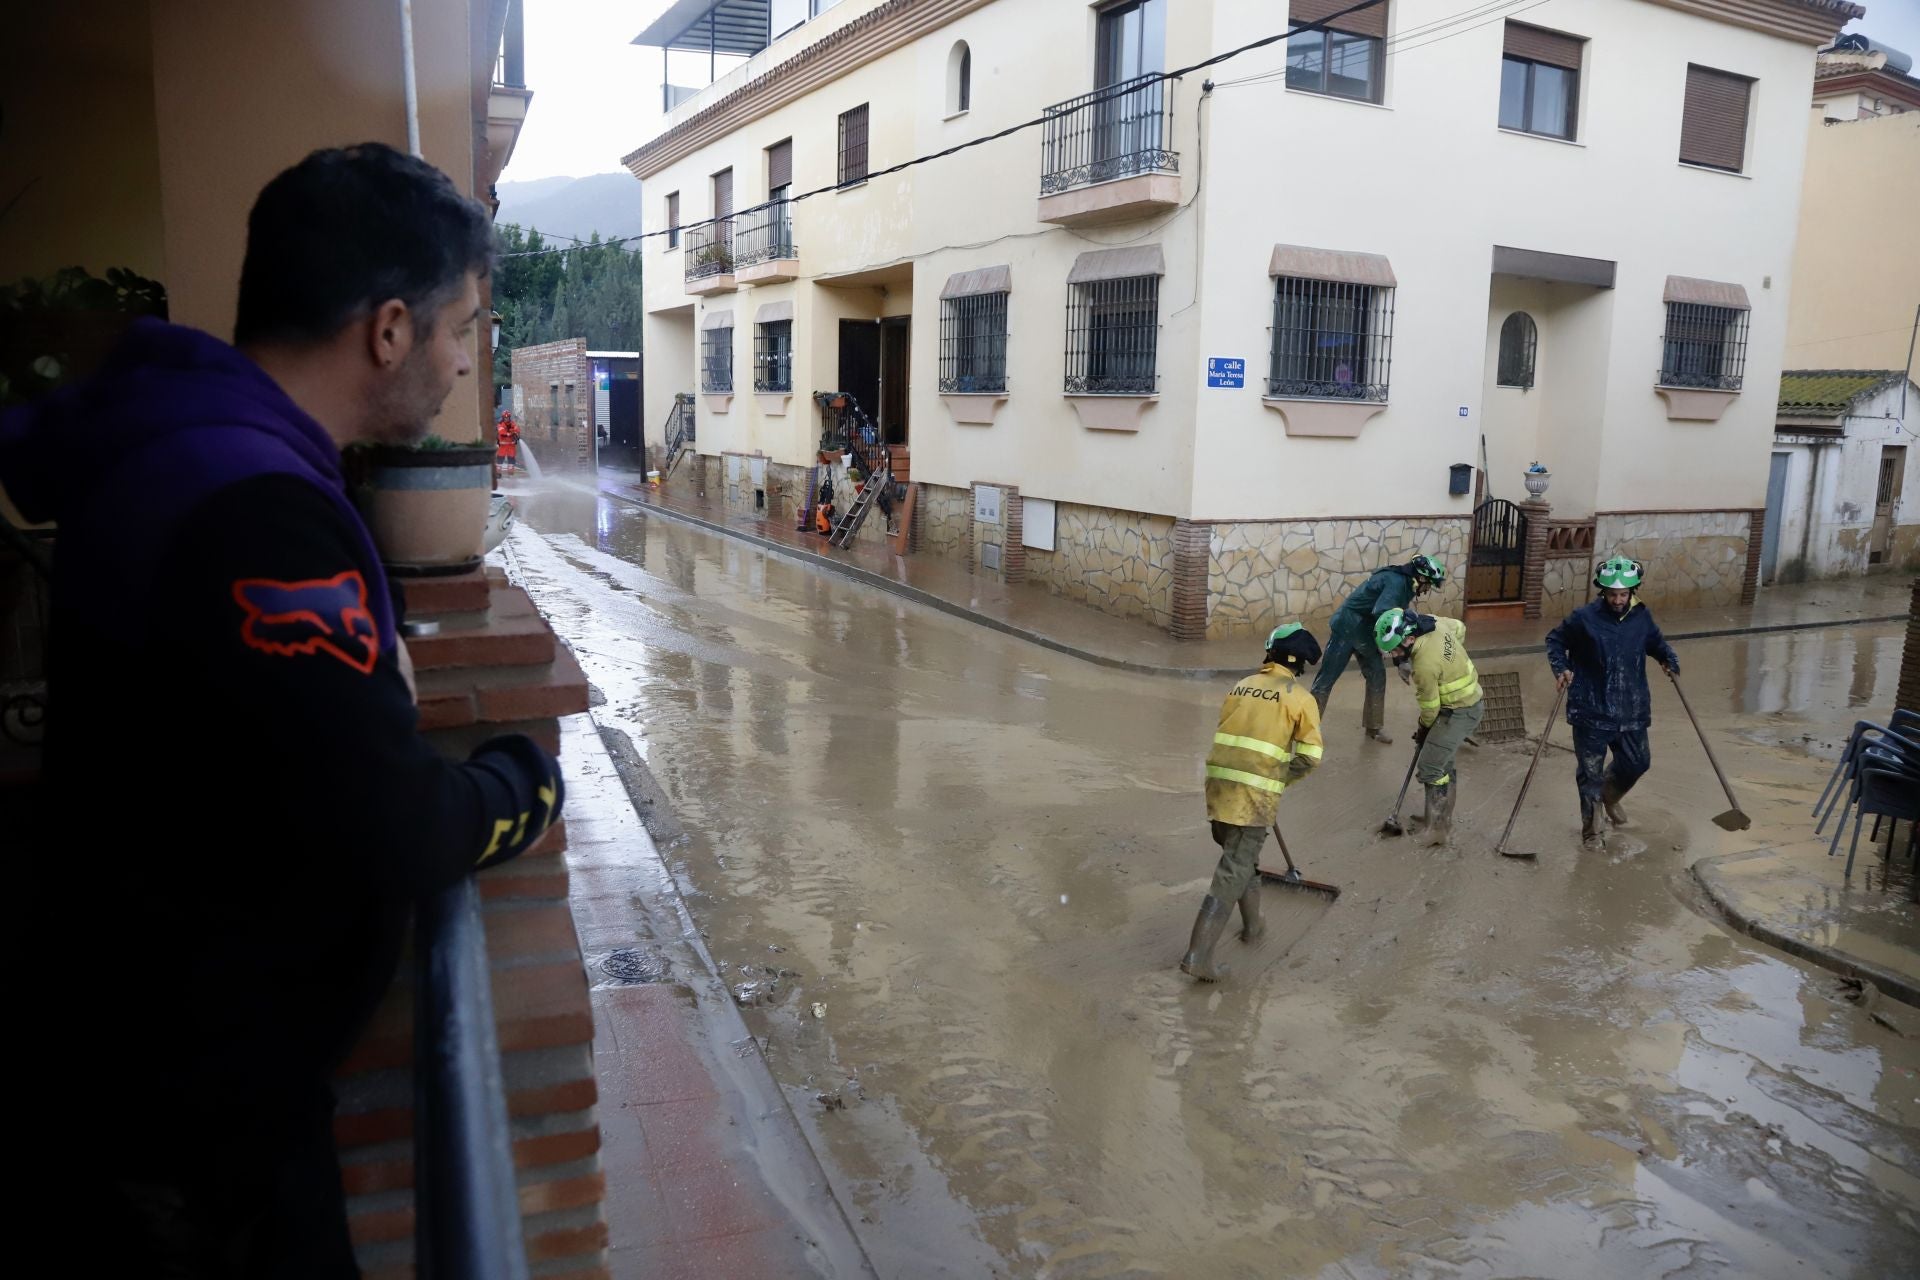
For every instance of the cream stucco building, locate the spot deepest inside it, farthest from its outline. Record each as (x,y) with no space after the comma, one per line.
(1207,350)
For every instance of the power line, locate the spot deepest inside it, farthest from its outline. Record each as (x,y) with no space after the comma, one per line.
(1130,86)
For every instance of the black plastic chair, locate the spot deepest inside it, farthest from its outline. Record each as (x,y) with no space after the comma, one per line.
(1888,746)
(1886,793)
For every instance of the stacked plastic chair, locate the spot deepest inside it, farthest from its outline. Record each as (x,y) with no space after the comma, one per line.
(1878,774)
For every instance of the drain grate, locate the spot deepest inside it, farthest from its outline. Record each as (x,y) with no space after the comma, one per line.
(631,965)
(1505,718)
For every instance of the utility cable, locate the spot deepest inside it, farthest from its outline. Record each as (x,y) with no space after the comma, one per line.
(1088,100)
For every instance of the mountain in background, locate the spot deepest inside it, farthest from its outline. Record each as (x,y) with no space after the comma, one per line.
(605,202)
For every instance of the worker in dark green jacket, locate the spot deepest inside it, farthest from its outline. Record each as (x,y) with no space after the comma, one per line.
(1394,587)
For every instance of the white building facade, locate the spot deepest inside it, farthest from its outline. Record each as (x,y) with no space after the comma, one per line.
(1206,351)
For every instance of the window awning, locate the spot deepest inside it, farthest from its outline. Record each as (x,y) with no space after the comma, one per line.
(1707,293)
(774,312)
(717,320)
(1339,265)
(967,284)
(1118,264)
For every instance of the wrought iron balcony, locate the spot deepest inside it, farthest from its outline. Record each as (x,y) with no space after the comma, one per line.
(764,235)
(1124,130)
(709,247)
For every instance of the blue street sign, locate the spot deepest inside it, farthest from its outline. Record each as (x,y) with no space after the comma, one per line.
(1223,372)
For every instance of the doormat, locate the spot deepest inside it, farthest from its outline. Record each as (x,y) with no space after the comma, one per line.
(1505,719)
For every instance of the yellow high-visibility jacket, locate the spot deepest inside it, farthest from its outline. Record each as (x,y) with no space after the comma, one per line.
(1443,674)
(1269,736)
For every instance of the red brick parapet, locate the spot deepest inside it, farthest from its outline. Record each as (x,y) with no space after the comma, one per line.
(495,666)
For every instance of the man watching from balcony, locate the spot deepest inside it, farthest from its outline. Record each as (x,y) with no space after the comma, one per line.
(236,767)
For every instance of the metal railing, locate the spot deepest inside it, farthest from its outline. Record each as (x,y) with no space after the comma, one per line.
(679,430)
(764,235)
(1332,340)
(1704,346)
(973,343)
(467,1204)
(1113,336)
(709,249)
(1120,131)
(1496,564)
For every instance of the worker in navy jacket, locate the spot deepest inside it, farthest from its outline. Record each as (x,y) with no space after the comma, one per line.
(1599,655)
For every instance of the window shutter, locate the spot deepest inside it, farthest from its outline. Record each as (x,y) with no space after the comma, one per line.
(780,165)
(1367,22)
(1550,47)
(1713,127)
(723,194)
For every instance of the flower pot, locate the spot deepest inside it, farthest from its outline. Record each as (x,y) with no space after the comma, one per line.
(427,508)
(1536,481)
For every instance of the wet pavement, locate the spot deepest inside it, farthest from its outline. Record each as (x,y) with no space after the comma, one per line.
(977,861)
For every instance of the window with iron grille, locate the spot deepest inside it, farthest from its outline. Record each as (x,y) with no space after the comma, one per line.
(553,407)
(1519,340)
(1332,340)
(1347,59)
(1704,346)
(716,359)
(1113,335)
(673,219)
(853,145)
(973,343)
(773,356)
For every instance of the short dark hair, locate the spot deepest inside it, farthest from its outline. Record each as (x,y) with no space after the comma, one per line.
(345,230)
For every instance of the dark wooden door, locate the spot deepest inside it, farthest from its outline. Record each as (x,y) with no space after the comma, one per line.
(895,343)
(860,363)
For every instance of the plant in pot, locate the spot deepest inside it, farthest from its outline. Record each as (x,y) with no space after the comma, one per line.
(1536,479)
(718,256)
(427,504)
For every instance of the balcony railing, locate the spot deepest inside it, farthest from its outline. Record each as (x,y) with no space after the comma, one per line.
(765,235)
(1121,131)
(709,249)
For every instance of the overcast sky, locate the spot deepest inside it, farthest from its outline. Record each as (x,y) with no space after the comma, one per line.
(596,96)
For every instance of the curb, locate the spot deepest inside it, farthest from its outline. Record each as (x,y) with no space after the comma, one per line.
(1899,987)
(947,606)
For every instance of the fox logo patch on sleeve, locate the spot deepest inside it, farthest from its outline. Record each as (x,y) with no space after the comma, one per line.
(324,615)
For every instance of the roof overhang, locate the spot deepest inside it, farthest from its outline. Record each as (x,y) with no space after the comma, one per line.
(1879,81)
(1814,22)
(740,28)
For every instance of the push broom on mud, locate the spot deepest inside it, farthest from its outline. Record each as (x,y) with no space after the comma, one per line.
(1291,877)
(1527,781)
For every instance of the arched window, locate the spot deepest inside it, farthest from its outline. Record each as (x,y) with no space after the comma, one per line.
(1519,341)
(959,79)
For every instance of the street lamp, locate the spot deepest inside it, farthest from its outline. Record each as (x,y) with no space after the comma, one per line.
(496,332)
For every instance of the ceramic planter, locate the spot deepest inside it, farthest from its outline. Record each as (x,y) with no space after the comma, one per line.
(1536,481)
(427,508)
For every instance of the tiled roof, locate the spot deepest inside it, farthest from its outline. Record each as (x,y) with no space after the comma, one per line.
(1829,391)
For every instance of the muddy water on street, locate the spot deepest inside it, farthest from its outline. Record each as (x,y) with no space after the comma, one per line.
(983,858)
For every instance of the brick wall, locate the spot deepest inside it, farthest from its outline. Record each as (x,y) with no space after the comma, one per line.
(495,667)
(557,424)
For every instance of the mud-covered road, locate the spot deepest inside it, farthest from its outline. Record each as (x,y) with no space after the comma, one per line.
(982,858)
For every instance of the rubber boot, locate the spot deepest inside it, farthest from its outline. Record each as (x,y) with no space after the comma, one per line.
(1252,927)
(1610,796)
(1590,838)
(1439,814)
(1373,715)
(1207,928)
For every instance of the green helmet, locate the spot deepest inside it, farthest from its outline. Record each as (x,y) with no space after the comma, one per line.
(1428,570)
(1621,571)
(1394,628)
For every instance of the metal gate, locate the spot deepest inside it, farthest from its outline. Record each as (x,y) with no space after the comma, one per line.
(1499,554)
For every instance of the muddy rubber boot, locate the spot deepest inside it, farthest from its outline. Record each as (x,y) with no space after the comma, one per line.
(1252,927)
(1439,814)
(1207,928)
(1590,838)
(1610,796)
(1373,716)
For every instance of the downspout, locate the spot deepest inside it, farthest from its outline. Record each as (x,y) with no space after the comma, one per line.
(411,91)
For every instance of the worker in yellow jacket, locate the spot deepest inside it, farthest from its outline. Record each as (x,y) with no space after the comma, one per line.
(1268,738)
(1448,691)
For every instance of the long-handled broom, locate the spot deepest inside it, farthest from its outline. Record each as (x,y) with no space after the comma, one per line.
(1291,877)
(1501,848)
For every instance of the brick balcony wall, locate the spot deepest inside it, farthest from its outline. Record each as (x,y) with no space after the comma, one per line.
(495,667)
(556,422)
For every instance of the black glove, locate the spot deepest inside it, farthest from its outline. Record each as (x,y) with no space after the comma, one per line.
(535,779)
(1420,734)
